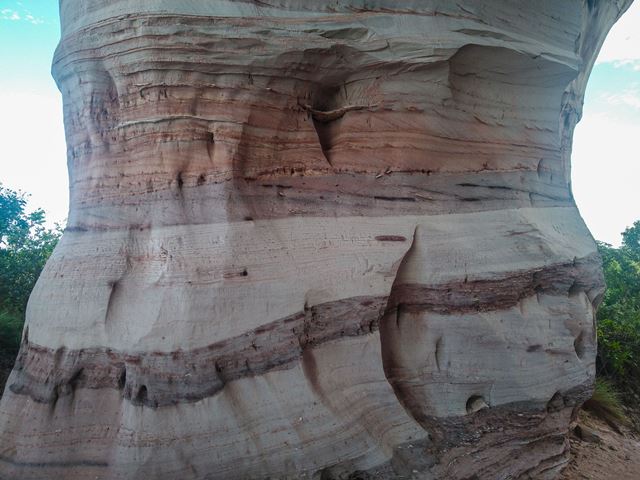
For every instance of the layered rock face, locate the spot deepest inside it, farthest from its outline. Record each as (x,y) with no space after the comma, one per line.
(313,239)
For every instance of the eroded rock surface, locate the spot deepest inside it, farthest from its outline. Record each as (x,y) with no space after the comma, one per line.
(313,239)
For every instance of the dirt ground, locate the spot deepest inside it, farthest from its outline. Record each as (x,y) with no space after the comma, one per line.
(603,454)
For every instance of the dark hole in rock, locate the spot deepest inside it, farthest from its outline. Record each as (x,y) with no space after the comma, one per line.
(579,344)
(476,403)
(575,289)
(142,394)
(556,403)
(75,379)
(122,379)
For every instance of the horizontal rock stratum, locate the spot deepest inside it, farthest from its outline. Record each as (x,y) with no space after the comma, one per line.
(313,239)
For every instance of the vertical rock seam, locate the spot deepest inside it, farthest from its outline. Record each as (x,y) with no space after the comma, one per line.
(313,239)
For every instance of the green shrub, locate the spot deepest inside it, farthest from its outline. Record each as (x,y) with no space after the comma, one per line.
(25,245)
(10,333)
(619,314)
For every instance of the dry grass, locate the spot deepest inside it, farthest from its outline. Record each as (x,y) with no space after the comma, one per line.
(607,405)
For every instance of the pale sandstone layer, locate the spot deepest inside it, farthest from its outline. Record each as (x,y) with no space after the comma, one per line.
(313,239)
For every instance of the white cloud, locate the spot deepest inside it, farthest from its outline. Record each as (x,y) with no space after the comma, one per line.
(605,172)
(14,15)
(34,20)
(8,14)
(629,98)
(621,46)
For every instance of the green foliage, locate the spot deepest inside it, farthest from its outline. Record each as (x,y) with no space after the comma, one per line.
(25,246)
(619,313)
(10,332)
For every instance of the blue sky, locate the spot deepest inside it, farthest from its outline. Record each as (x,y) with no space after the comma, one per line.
(606,167)
(32,145)
(29,32)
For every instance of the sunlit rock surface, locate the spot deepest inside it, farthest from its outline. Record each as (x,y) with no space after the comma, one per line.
(313,239)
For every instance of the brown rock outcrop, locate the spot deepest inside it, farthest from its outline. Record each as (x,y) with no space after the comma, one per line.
(313,239)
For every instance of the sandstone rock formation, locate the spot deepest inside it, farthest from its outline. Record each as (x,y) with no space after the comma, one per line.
(313,239)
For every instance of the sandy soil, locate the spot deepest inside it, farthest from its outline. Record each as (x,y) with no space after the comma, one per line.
(606,456)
